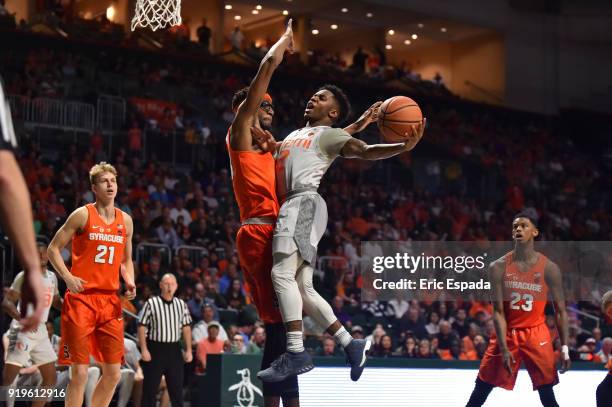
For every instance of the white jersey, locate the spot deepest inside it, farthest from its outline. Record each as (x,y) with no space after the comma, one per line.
(49,283)
(304,157)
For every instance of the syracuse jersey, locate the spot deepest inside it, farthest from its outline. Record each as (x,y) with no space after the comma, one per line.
(525,293)
(97,251)
(254,183)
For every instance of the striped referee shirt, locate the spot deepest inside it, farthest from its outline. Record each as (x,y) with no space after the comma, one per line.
(165,319)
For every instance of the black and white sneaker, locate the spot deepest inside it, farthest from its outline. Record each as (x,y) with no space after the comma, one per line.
(357,355)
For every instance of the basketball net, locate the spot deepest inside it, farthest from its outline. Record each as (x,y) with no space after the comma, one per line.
(157,14)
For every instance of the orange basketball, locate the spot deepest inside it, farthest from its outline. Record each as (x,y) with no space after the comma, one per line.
(396,116)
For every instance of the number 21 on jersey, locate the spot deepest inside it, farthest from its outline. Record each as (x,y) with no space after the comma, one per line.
(101,254)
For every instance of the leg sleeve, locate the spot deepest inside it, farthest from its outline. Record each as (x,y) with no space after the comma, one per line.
(126,383)
(314,304)
(283,278)
(93,375)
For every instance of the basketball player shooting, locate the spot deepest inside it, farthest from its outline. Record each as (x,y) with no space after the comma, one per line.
(520,281)
(253,180)
(302,160)
(91,319)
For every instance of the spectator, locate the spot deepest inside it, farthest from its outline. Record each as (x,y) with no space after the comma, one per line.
(204,33)
(238,347)
(328,348)
(359,60)
(234,297)
(179,210)
(196,304)
(167,235)
(461,323)
(357,332)
(385,348)
(211,345)
(446,336)
(135,140)
(424,351)
(228,278)
(432,327)
(399,306)
(409,349)
(257,342)
(236,39)
(410,321)
(200,330)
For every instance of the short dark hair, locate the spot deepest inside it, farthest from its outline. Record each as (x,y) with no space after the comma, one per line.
(526,215)
(344,106)
(239,97)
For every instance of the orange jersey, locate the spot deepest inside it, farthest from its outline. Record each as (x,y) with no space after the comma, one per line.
(253,178)
(527,293)
(97,251)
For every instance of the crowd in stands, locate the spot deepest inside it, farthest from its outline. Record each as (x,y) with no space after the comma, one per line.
(538,171)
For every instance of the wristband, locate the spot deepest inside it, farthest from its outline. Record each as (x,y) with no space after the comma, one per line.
(565,352)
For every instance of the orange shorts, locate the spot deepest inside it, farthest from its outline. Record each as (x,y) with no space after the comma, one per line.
(254,244)
(92,324)
(531,345)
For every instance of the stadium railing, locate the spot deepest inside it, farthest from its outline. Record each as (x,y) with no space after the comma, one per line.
(110,113)
(145,250)
(194,253)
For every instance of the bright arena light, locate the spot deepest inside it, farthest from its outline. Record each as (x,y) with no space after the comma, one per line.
(388,46)
(369,15)
(315,32)
(285,12)
(344,10)
(391,32)
(255,12)
(334,26)
(237,18)
(407,42)
(420,25)
(414,36)
(443,29)
(110,13)
(258,7)
(228,6)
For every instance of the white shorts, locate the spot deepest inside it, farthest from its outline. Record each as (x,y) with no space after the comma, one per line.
(30,346)
(301,223)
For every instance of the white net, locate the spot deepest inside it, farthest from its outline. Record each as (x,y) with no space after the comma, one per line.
(156,14)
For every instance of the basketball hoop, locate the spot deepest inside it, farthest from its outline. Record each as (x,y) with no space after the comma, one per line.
(157,14)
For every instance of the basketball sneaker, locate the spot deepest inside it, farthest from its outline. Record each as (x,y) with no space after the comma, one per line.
(356,356)
(286,365)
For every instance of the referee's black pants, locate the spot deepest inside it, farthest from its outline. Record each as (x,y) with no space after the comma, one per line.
(167,360)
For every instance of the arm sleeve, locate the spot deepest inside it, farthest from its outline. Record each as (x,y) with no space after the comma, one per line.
(186,315)
(18,282)
(145,314)
(332,140)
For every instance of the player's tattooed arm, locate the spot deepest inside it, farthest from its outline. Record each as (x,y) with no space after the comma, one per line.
(240,134)
(127,267)
(496,272)
(552,274)
(355,148)
(75,223)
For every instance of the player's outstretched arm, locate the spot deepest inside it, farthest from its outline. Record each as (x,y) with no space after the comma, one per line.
(127,267)
(16,217)
(355,148)
(496,272)
(240,134)
(554,281)
(75,222)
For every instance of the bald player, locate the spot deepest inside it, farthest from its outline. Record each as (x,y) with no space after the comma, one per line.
(253,179)
(91,322)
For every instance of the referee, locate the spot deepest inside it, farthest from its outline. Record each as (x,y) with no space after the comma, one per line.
(164,318)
